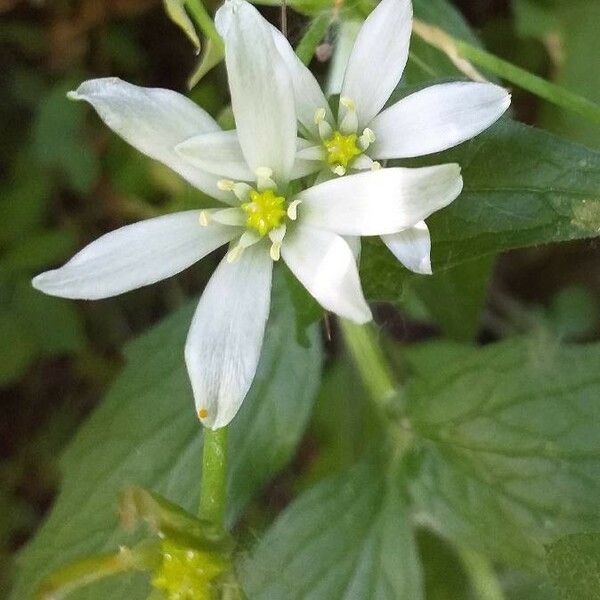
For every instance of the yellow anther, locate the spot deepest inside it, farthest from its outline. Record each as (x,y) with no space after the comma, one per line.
(375,166)
(203,218)
(341,149)
(338,170)
(265,211)
(366,139)
(202,413)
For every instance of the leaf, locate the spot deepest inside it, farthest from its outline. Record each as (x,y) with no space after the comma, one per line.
(523,187)
(511,459)
(57,140)
(145,433)
(177,13)
(574,565)
(348,537)
(37,250)
(455,297)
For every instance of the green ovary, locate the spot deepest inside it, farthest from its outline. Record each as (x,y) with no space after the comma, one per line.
(187,574)
(341,149)
(265,211)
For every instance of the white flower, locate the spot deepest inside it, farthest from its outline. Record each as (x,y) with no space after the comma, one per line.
(363,132)
(267,218)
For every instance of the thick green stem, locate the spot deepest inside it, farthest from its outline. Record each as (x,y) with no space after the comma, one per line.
(372,364)
(214,477)
(482,575)
(204,21)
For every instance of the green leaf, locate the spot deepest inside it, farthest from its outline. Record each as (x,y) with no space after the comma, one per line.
(176,11)
(511,458)
(522,187)
(574,565)
(37,250)
(58,140)
(146,433)
(348,537)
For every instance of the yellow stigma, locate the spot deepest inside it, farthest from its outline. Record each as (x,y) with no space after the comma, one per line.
(265,211)
(341,149)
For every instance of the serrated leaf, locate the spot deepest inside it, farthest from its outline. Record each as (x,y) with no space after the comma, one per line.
(348,537)
(512,458)
(574,565)
(145,433)
(522,187)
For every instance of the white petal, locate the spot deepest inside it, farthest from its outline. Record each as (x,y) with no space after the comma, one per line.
(379,202)
(437,118)
(355,245)
(324,263)
(262,95)
(218,153)
(344,42)
(307,91)
(154,121)
(134,256)
(225,339)
(412,247)
(378,58)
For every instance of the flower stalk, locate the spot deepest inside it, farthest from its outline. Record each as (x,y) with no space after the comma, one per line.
(371,363)
(213,487)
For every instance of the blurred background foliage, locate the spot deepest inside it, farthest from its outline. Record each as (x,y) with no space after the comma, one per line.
(65,179)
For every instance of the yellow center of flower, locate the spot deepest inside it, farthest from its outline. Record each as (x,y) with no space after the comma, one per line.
(341,149)
(265,211)
(187,574)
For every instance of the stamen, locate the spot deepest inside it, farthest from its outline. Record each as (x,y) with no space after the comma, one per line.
(338,170)
(202,413)
(292,210)
(229,216)
(325,130)
(204,218)
(375,166)
(234,254)
(242,191)
(264,179)
(349,123)
(366,139)
(276,236)
(226,185)
(249,238)
(320,115)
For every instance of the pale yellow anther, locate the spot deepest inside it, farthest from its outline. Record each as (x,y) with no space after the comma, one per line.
(347,103)
(375,166)
(275,251)
(320,115)
(366,139)
(226,185)
(234,254)
(292,210)
(264,180)
(339,170)
(203,218)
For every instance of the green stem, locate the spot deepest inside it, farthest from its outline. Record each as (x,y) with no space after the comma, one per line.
(204,21)
(532,83)
(312,38)
(214,477)
(372,365)
(482,575)
(463,54)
